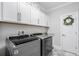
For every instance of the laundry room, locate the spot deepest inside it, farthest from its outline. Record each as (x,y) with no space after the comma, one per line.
(39,28)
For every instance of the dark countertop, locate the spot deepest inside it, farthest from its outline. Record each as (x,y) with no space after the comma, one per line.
(45,36)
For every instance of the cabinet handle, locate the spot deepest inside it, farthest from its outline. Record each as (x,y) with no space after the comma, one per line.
(63,35)
(38,21)
(19,16)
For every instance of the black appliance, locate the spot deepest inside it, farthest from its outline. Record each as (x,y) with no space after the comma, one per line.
(46,43)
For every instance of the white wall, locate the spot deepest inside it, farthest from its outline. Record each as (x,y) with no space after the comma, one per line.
(7,29)
(55,20)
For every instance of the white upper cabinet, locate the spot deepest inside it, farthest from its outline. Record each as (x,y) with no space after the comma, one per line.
(46,19)
(0,10)
(10,11)
(25,11)
(34,15)
(42,19)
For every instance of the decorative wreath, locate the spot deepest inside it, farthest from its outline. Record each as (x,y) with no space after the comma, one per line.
(68,20)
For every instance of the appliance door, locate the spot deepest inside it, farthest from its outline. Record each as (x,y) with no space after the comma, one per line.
(31,48)
(47,46)
(10,47)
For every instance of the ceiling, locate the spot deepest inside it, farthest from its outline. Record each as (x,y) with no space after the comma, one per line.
(49,5)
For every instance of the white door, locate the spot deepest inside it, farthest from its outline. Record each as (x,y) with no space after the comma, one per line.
(69,33)
(10,11)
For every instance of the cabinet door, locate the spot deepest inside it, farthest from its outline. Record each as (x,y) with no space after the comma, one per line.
(34,15)
(25,12)
(0,10)
(45,20)
(10,11)
(41,19)
(48,23)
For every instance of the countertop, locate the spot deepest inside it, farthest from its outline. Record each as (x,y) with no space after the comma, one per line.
(45,36)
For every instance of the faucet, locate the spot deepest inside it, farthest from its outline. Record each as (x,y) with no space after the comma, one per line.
(20,32)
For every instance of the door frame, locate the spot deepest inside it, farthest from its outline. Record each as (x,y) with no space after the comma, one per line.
(61,42)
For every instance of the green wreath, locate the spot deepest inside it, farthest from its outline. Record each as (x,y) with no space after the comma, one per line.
(68,20)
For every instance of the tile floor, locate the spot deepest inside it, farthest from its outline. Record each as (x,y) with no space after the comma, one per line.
(62,53)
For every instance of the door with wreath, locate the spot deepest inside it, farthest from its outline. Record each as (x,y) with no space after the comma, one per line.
(69,32)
